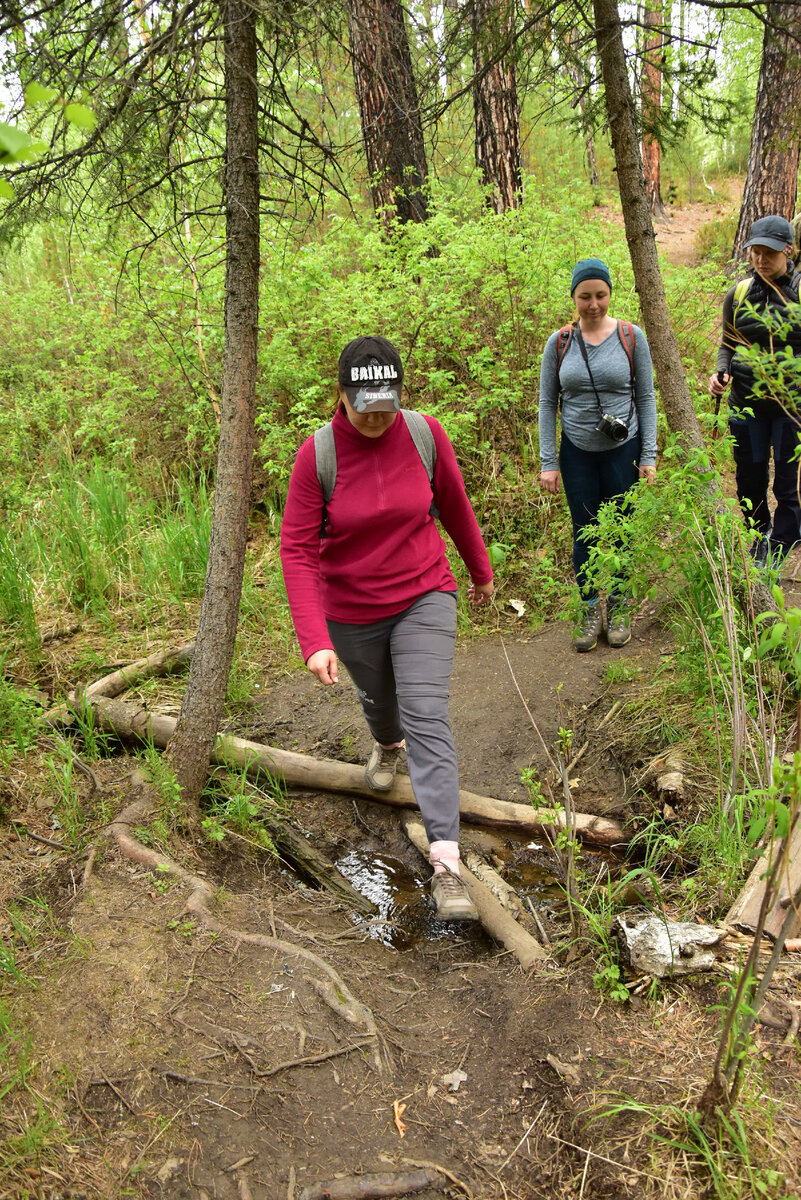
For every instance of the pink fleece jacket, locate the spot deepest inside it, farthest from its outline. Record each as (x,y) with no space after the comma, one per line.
(382,548)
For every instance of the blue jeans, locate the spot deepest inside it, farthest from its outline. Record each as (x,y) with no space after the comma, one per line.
(590,478)
(754,437)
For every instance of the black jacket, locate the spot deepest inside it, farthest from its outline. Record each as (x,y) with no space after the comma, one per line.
(741,328)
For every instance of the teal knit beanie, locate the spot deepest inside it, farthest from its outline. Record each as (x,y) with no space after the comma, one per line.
(590,268)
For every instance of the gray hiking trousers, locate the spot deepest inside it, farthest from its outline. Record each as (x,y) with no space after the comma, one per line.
(401,667)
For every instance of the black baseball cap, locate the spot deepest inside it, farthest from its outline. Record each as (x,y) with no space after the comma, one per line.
(774,232)
(371,373)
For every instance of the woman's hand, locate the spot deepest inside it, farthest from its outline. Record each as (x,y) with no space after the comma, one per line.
(716,386)
(479,593)
(647,473)
(550,481)
(323,664)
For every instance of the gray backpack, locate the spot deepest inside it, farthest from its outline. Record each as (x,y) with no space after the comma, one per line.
(325,453)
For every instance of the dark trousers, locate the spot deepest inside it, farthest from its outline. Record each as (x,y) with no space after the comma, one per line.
(754,438)
(590,478)
(402,670)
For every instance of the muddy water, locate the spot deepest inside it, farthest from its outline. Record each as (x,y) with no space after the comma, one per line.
(405,912)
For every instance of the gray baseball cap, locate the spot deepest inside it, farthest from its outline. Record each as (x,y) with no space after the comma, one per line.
(774,232)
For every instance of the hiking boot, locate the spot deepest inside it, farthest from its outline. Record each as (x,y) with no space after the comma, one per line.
(452,898)
(588,626)
(760,551)
(381,767)
(618,625)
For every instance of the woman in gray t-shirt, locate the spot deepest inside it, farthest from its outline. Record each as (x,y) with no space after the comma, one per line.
(601,368)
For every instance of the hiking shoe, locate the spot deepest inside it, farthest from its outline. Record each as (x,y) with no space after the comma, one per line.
(760,551)
(588,626)
(452,898)
(381,767)
(618,625)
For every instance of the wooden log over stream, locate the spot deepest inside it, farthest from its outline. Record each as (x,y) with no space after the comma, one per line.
(314,774)
(497,920)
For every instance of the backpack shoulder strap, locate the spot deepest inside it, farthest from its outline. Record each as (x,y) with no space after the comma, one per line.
(423,438)
(741,291)
(625,331)
(562,342)
(325,454)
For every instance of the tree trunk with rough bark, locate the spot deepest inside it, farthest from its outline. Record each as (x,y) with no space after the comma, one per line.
(673,390)
(495,108)
(651,92)
(771,182)
(389,108)
(193,741)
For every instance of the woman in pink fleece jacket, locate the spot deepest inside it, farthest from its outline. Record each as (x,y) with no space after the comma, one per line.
(369,582)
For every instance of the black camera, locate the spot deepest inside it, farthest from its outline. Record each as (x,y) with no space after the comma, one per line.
(613,427)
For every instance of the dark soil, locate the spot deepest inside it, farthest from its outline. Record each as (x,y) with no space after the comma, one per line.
(181,1064)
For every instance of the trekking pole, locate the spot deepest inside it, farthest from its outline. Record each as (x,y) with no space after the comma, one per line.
(715,429)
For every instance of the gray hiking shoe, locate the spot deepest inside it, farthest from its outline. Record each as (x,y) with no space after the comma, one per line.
(381,767)
(588,626)
(618,625)
(452,898)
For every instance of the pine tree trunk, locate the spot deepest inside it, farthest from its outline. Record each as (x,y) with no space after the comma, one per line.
(772,178)
(193,741)
(673,390)
(390,112)
(495,107)
(651,91)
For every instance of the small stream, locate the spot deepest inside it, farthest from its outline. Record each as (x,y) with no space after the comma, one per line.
(405,915)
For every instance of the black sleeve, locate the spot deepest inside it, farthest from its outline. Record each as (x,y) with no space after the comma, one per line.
(728,342)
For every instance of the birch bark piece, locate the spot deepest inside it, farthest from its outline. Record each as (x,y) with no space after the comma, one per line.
(744,913)
(652,945)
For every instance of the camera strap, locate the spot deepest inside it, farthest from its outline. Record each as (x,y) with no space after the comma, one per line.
(583,349)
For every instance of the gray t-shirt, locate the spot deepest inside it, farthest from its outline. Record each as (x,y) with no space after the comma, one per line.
(610,370)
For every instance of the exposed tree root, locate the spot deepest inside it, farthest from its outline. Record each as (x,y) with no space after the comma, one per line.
(331,987)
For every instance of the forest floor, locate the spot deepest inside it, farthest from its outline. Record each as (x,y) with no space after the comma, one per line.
(159,1059)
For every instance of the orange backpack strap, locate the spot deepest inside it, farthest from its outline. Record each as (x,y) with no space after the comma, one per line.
(562,343)
(563,340)
(625,331)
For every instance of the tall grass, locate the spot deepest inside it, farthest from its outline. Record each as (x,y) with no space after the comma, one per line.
(97,541)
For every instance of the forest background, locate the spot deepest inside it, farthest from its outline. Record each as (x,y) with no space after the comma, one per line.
(431,173)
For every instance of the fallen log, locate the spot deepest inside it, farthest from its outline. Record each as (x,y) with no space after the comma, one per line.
(498,922)
(299,770)
(305,856)
(744,913)
(370,1187)
(114,684)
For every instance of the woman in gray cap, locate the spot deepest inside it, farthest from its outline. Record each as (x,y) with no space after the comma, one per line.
(761,420)
(598,371)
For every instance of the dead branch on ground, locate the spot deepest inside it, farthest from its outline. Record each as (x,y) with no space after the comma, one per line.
(368,1187)
(162,663)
